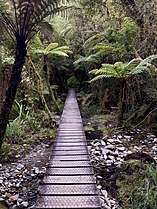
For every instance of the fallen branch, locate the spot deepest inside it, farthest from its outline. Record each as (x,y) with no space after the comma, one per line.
(145,118)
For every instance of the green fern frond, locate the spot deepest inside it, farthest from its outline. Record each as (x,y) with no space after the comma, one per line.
(98,77)
(104,47)
(148,60)
(64,48)
(93,40)
(39,51)
(59,53)
(79,60)
(51,47)
(93,58)
(93,71)
(144,65)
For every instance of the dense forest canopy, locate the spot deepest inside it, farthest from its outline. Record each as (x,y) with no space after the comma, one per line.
(104,42)
(107,51)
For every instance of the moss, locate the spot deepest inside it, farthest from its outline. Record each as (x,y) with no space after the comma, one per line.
(88,128)
(4,151)
(137,185)
(2,206)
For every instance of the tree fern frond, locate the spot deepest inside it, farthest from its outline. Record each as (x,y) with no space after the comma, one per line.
(79,60)
(59,53)
(28,14)
(93,71)
(38,51)
(93,58)
(148,60)
(51,46)
(98,77)
(93,40)
(66,30)
(104,47)
(140,69)
(144,65)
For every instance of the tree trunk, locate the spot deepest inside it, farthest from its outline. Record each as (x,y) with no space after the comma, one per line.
(47,78)
(12,88)
(122,102)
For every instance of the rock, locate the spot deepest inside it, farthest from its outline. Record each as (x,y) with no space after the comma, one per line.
(17,185)
(113,153)
(99,187)
(110,157)
(1,180)
(103,143)
(99,177)
(118,141)
(154,149)
(104,156)
(104,193)
(129,152)
(13,198)
(20,167)
(111,140)
(121,149)
(127,137)
(119,136)
(110,147)
(155,139)
(24,204)
(109,162)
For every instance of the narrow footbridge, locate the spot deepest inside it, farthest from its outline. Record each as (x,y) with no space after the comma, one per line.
(69,181)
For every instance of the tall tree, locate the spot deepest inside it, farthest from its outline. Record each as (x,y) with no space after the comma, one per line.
(21,19)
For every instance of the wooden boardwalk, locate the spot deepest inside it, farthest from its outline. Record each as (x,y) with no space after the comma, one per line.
(69,181)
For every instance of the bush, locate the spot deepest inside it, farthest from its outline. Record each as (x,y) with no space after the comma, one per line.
(137,185)
(14,132)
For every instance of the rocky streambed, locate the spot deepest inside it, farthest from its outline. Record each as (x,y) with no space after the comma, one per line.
(19,180)
(109,154)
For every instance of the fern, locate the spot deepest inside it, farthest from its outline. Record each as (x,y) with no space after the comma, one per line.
(123,70)
(144,65)
(28,15)
(98,77)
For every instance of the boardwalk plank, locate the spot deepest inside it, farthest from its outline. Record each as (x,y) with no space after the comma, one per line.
(69,181)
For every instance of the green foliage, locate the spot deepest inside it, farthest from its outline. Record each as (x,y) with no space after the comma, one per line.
(14,132)
(73,82)
(123,70)
(2,206)
(54,49)
(4,151)
(88,128)
(137,185)
(20,110)
(5,58)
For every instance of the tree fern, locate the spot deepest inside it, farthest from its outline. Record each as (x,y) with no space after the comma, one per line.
(123,70)
(21,19)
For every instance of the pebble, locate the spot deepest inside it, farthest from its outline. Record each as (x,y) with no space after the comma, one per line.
(111,141)
(110,147)
(154,149)
(110,151)
(103,143)
(19,181)
(121,148)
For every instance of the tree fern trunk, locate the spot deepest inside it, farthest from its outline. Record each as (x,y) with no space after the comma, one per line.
(12,88)
(122,102)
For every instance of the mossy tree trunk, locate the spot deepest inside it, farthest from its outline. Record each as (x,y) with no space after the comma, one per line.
(47,78)
(13,85)
(121,101)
